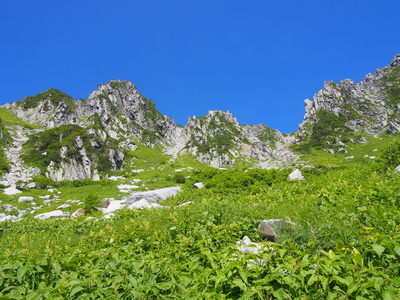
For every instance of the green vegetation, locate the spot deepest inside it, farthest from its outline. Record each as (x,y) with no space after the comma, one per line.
(55,96)
(9,119)
(91,202)
(327,129)
(117,84)
(346,245)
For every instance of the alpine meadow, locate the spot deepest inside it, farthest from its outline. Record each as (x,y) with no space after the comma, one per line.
(107,198)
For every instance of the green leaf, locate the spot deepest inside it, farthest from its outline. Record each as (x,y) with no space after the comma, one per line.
(76,290)
(57,269)
(133,281)
(358,259)
(21,272)
(378,249)
(352,288)
(397,250)
(279,294)
(388,296)
(239,283)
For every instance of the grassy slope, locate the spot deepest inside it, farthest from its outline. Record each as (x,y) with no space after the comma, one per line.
(189,252)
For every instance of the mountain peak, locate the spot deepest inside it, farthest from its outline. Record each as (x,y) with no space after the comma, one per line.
(395,61)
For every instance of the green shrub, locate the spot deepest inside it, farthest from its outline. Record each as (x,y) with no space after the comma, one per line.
(91,202)
(179,178)
(389,159)
(42,182)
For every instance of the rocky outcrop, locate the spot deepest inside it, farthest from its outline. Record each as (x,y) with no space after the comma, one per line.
(371,106)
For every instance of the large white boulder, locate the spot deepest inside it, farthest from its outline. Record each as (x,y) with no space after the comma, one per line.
(12,190)
(152,196)
(296,175)
(25,199)
(113,206)
(52,214)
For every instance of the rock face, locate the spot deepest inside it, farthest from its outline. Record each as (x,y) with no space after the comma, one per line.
(339,112)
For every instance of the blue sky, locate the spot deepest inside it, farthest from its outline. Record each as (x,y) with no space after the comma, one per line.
(258,59)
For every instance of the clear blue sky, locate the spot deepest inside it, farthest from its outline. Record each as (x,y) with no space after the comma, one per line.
(259,59)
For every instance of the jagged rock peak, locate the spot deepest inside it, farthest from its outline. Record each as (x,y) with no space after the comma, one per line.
(125,87)
(371,107)
(217,115)
(395,61)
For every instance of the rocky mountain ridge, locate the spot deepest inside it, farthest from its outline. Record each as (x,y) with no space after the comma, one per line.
(345,112)
(77,139)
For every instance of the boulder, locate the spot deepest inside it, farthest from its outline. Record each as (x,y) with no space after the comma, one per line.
(247,246)
(78,213)
(8,207)
(4,217)
(64,206)
(30,185)
(296,175)
(152,196)
(342,151)
(267,228)
(397,170)
(51,214)
(12,190)
(198,185)
(140,204)
(25,199)
(104,203)
(114,205)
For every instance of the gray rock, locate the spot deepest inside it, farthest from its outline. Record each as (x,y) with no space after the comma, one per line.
(296,175)
(152,196)
(104,203)
(78,213)
(12,190)
(247,246)
(140,204)
(198,185)
(52,214)
(4,217)
(267,228)
(8,207)
(397,170)
(329,150)
(64,206)
(342,151)
(30,185)
(25,199)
